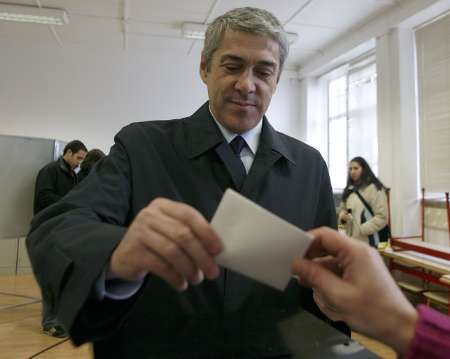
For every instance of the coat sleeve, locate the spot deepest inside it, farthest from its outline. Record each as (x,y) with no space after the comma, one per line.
(432,335)
(71,242)
(380,210)
(46,189)
(326,209)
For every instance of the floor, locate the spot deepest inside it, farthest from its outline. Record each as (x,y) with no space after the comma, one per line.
(20,330)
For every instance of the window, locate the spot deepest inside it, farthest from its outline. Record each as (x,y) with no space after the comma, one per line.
(337,129)
(352,119)
(433,70)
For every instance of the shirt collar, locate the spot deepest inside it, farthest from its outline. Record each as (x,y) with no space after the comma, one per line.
(251,136)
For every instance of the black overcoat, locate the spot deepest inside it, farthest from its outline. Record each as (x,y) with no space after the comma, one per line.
(185,160)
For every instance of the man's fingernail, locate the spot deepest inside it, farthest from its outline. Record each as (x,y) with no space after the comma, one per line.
(199,276)
(183,286)
(213,272)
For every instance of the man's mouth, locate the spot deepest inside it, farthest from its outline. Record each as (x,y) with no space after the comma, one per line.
(243,103)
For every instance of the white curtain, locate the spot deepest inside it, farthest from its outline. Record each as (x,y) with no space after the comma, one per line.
(433,70)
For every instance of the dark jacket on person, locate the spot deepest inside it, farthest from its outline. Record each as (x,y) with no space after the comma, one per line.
(83,174)
(52,183)
(186,160)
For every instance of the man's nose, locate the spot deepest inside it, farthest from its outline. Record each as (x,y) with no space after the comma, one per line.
(245,82)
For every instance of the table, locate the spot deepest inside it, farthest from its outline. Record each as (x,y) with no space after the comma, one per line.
(434,250)
(445,279)
(429,262)
(421,260)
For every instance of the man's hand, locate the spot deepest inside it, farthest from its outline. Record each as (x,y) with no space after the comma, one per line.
(351,283)
(171,240)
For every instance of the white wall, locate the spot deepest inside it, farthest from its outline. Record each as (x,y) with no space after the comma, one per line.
(314,113)
(68,93)
(284,111)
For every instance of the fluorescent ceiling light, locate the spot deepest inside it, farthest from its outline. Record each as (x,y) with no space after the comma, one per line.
(192,30)
(32,14)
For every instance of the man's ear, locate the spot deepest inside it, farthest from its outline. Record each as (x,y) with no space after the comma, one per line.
(67,155)
(203,69)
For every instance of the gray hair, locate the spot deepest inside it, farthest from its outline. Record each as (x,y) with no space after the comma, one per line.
(246,19)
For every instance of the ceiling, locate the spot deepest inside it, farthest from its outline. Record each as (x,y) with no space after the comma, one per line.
(155,25)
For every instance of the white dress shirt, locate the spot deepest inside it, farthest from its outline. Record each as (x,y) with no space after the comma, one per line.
(251,137)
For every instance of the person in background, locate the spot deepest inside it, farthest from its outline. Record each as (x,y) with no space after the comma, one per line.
(53,182)
(134,245)
(351,283)
(91,158)
(58,177)
(353,213)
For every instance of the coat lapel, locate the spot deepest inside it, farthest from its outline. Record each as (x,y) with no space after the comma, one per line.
(201,132)
(202,135)
(270,150)
(233,164)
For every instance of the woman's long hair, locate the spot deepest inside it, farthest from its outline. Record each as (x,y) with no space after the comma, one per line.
(91,158)
(367,178)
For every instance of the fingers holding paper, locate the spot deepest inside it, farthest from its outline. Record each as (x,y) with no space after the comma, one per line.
(340,271)
(171,240)
(351,283)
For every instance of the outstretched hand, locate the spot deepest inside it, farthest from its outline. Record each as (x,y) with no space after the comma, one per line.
(351,283)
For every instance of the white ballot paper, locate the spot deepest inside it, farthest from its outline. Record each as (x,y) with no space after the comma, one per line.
(256,242)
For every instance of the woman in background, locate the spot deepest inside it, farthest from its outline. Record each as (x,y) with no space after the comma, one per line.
(91,158)
(361,222)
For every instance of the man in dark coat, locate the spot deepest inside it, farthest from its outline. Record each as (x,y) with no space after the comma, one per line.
(52,183)
(132,244)
(58,177)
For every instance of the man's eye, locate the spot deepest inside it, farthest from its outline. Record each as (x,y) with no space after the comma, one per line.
(264,73)
(231,68)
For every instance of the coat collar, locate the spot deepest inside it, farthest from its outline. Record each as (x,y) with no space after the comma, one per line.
(64,165)
(202,134)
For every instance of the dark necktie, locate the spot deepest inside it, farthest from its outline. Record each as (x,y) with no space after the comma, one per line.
(240,173)
(237,145)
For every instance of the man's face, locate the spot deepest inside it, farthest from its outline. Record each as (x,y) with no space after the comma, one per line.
(241,79)
(74,159)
